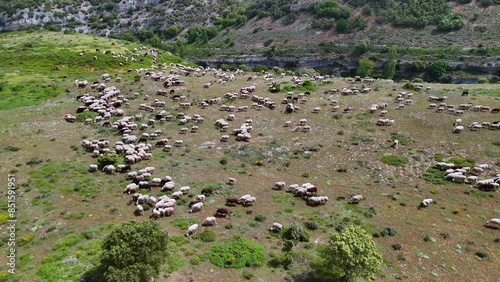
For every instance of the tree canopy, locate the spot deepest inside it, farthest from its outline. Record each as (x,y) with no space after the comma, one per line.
(365,67)
(352,253)
(134,252)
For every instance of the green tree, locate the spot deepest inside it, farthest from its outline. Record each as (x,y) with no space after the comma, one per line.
(390,64)
(352,253)
(134,252)
(438,69)
(365,67)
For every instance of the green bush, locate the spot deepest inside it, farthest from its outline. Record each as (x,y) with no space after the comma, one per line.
(394,160)
(207,236)
(237,253)
(110,158)
(260,68)
(295,233)
(183,223)
(260,218)
(81,117)
(434,176)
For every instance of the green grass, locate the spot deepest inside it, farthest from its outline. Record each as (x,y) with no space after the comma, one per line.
(66,177)
(183,223)
(72,256)
(394,160)
(40,65)
(434,176)
(237,253)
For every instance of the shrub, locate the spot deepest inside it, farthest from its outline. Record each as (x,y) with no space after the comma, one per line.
(295,233)
(247,275)
(237,253)
(11,148)
(208,236)
(223,161)
(394,160)
(81,117)
(260,68)
(311,225)
(260,218)
(110,158)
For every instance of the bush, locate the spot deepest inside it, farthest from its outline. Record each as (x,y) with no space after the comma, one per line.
(208,236)
(247,275)
(260,218)
(223,161)
(237,253)
(110,158)
(260,68)
(311,225)
(394,160)
(295,233)
(434,176)
(81,117)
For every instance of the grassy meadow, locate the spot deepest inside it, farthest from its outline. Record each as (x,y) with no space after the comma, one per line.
(64,211)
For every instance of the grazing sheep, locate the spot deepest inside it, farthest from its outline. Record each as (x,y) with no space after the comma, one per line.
(458,129)
(93,168)
(140,209)
(279,185)
(222,212)
(426,202)
(191,229)
(232,201)
(493,223)
(209,221)
(185,189)
(109,169)
(356,199)
(249,201)
(276,227)
(314,201)
(196,207)
(231,181)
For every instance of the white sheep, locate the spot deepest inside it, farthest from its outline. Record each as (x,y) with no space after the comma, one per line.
(426,202)
(196,207)
(191,229)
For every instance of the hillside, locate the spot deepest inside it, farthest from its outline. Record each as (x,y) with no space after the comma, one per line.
(64,211)
(297,32)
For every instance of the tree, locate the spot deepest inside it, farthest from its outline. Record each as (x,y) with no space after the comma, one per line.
(438,68)
(390,64)
(352,253)
(365,67)
(134,252)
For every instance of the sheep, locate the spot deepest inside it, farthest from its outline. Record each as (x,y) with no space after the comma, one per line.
(232,201)
(395,144)
(222,212)
(356,199)
(196,207)
(249,201)
(139,209)
(231,181)
(191,229)
(314,201)
(209,221)
(279,185)
(109,169)
(458,129)
(455,177)
(177,195)
(243,198)
(93,168)
(426,202)
(277,227)
(493,223)
(185,189)
(457,122)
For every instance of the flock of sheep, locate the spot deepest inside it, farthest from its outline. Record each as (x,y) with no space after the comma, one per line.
(110,104)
